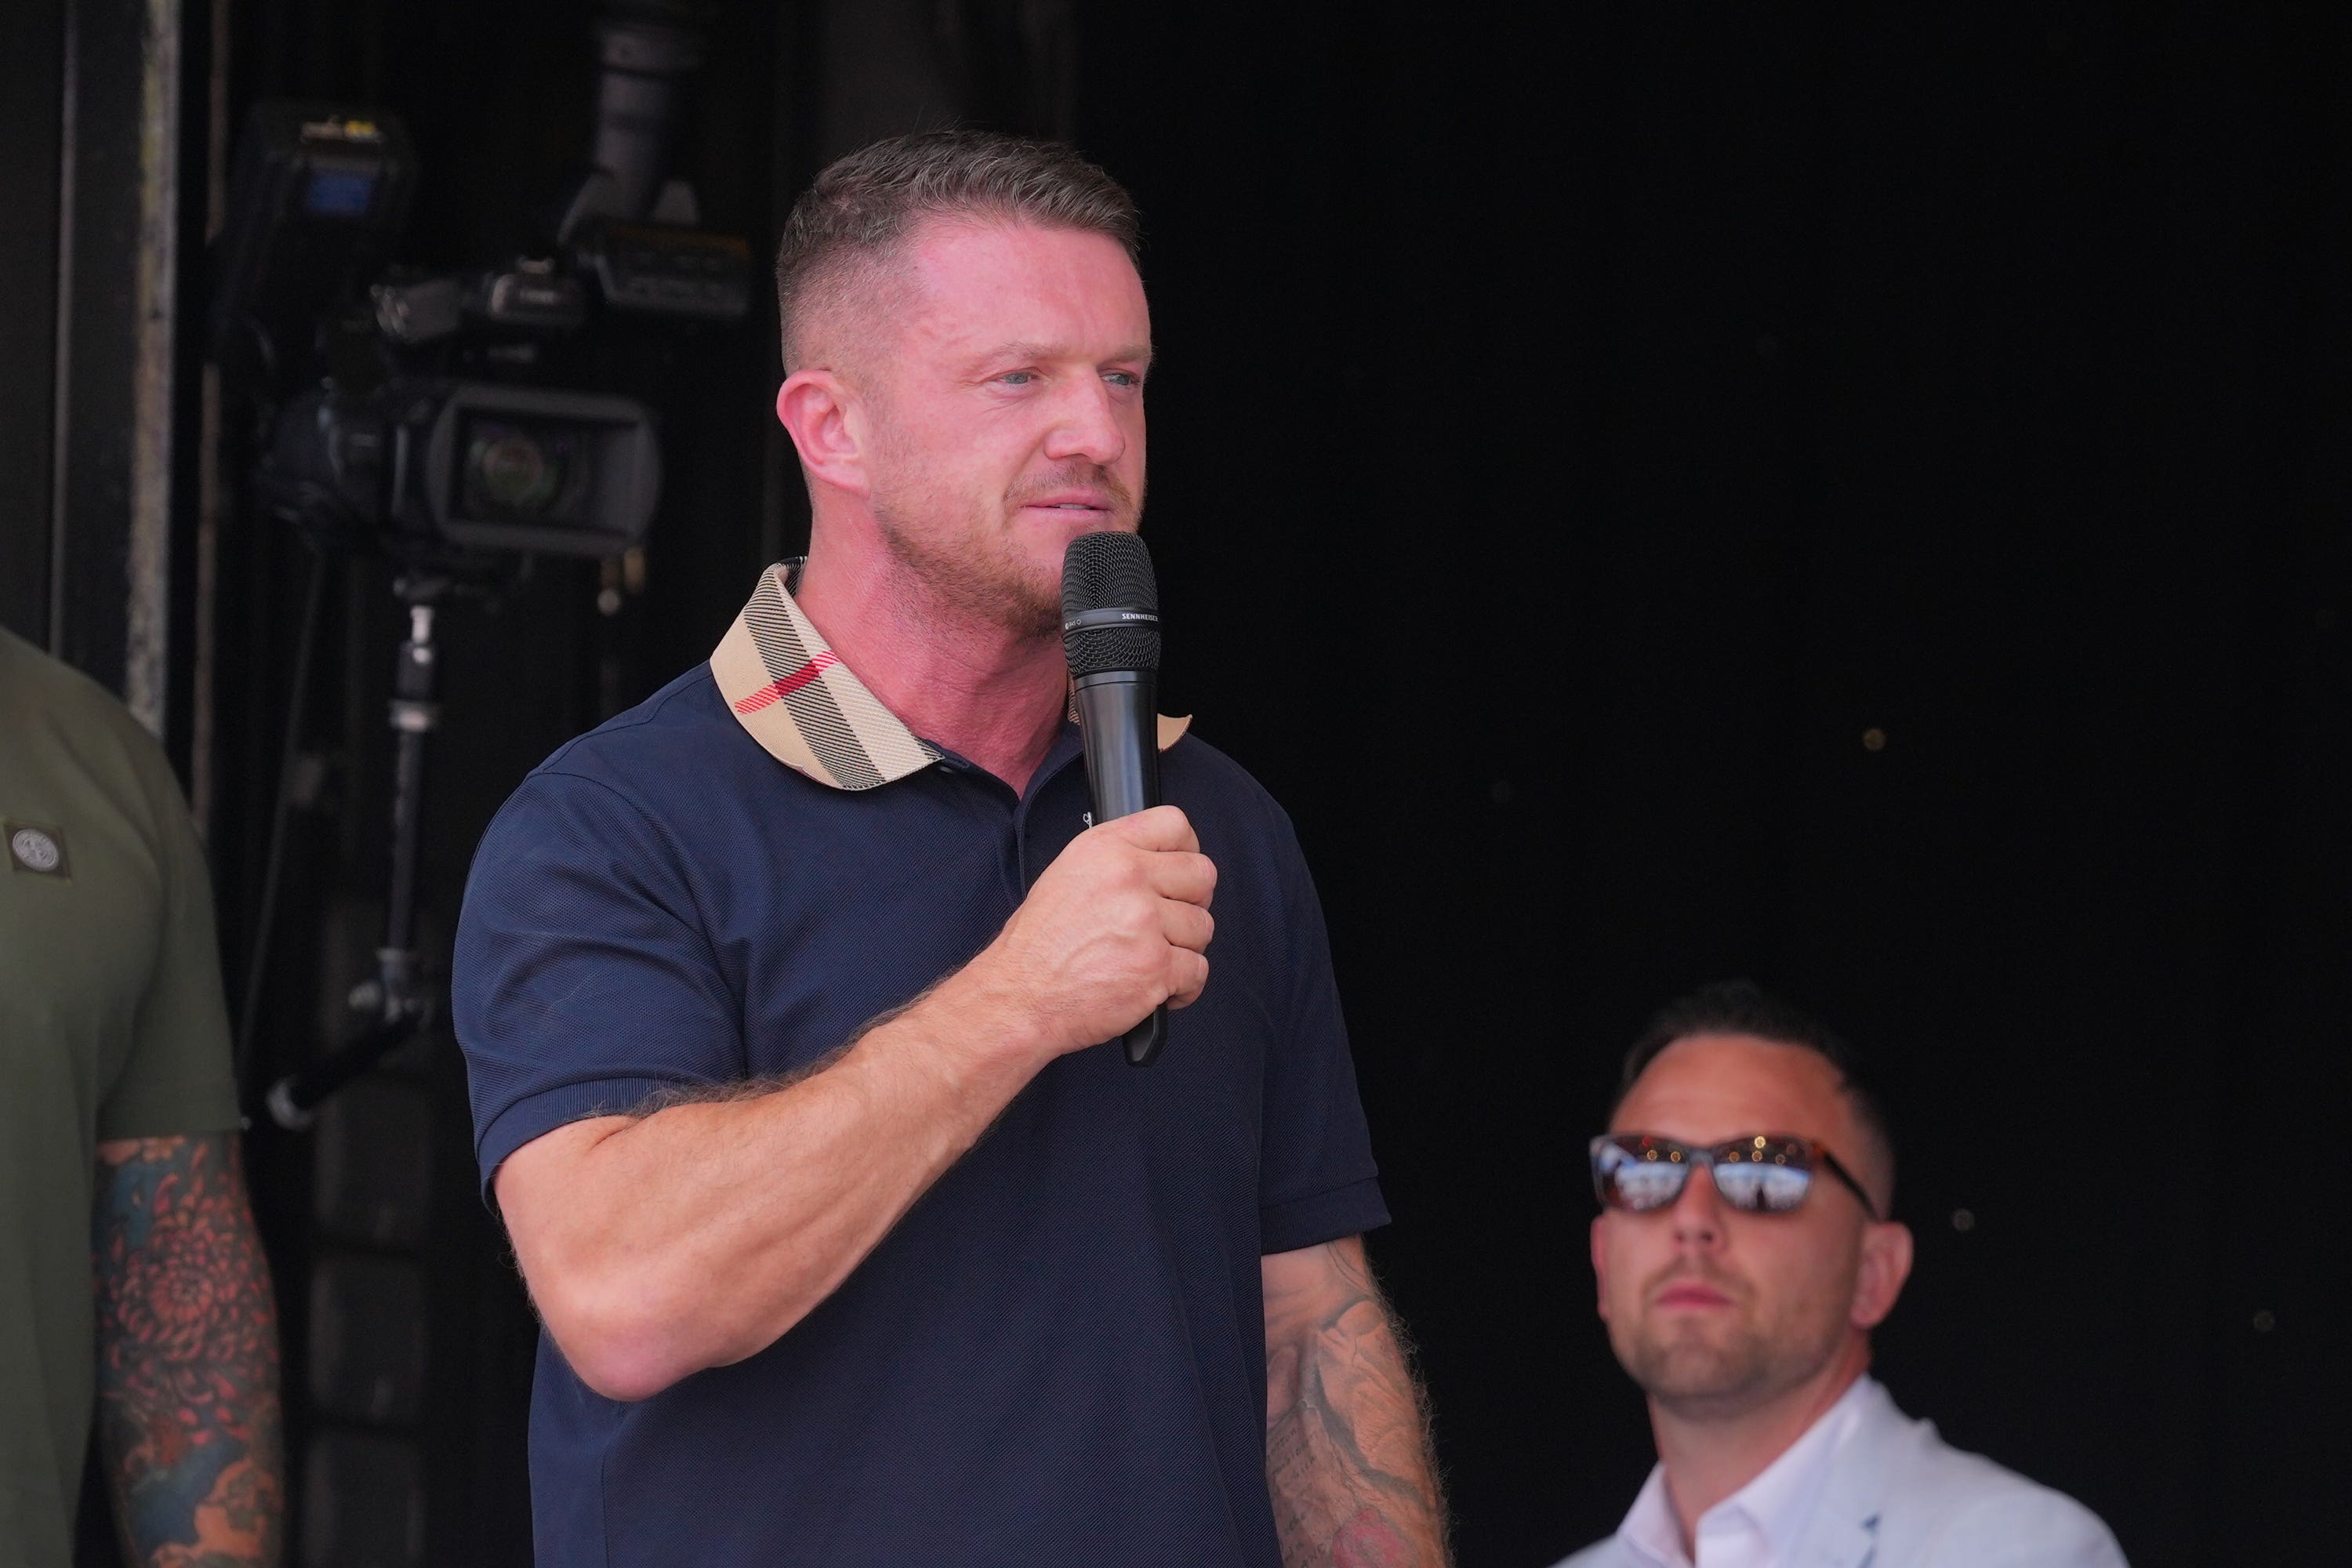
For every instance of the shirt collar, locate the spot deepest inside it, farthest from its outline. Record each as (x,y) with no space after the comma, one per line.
(792,694)
(1773,1508)
(1649,1531)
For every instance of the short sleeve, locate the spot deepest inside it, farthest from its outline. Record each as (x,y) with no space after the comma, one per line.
(177,1077)
(583,980)
(1317,1182)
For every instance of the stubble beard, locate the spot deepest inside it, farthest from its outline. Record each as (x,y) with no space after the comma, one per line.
(967,581)
(1702,1367)
(1685,1367)
(974,571)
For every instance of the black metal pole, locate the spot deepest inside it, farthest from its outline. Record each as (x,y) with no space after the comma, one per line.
(416,714)
(401,1005)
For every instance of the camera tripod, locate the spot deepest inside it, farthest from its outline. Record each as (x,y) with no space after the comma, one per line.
(400,998)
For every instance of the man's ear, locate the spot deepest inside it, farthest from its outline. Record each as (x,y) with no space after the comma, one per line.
(1599,1268)
(1885,1264)
(828,426)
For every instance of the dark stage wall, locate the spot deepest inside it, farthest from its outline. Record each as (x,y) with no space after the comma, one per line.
(1871,492)
(1849,497)
(1852,500)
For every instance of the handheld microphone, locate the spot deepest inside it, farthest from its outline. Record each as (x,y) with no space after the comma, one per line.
(1110,633)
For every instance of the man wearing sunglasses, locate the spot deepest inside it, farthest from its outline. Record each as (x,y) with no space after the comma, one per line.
(1744,1251)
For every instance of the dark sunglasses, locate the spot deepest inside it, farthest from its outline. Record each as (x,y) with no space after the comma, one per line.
(1764,1173)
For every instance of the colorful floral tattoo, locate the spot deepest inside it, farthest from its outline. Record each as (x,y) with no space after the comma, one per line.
(187,1346)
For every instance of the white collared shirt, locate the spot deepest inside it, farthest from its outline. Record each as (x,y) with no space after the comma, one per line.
(1757,1526)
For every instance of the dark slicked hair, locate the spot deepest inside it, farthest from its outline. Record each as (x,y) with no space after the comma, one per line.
(1743,1007)
(850,226)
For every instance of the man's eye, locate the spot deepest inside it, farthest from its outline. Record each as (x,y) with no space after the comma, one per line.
(1122,378)
(1017,377)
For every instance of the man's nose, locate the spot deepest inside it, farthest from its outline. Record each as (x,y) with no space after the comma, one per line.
(1698,1210)
(1086,426)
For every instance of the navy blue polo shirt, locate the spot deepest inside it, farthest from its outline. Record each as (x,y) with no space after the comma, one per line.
(1058,1356)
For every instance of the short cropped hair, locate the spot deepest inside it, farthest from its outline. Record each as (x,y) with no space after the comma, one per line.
(852,222)
(1743,1007)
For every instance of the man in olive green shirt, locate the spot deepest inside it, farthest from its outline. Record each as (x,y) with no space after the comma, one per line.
(131,1276)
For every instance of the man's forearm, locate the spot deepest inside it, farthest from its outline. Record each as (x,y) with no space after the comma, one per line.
(1349,1464)
(659,1245)
(187,1345)
(656,1245)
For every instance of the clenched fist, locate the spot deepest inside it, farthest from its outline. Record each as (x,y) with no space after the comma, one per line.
(1118,924)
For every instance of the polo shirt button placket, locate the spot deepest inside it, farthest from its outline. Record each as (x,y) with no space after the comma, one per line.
(1009,860)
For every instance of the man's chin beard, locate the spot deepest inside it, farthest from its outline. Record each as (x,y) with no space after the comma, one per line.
(1708,1379)
(1703,1380)
(1042,622)
(974,586)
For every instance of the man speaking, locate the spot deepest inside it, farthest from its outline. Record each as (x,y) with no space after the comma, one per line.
(784,998)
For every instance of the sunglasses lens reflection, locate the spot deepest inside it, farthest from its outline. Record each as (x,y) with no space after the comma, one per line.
(1754,1175)
(1762,1189)
(1640,1185)
(1626,1180)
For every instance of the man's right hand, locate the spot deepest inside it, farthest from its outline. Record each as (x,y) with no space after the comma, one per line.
(1116,925)
(661,1244)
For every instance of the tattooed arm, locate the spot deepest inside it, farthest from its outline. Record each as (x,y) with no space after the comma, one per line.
(187,1356)
(1346,1442)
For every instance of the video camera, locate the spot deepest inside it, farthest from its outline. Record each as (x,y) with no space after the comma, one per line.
(412,412)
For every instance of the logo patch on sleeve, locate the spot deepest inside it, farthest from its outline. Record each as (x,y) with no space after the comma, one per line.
(38,848)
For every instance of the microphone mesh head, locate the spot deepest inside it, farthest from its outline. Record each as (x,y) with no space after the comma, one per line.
(1109,570)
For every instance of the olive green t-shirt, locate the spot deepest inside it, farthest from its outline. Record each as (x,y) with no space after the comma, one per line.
(112,1025)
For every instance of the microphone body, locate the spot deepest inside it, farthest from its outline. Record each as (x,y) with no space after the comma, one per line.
(1111,632)
(1121,719)
(1119,713)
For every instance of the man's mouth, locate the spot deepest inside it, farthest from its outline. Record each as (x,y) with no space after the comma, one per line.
(1691,1293)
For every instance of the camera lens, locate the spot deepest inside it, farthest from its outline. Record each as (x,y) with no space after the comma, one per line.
(533,468)
(515,472)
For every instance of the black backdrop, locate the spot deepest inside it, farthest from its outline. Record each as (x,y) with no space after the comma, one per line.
(1852,498)
(1847,495)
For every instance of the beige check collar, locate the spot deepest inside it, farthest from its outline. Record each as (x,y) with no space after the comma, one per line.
(809,710)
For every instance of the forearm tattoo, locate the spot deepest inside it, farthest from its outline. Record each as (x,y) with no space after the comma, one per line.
(1348,1463)
(187,1371)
